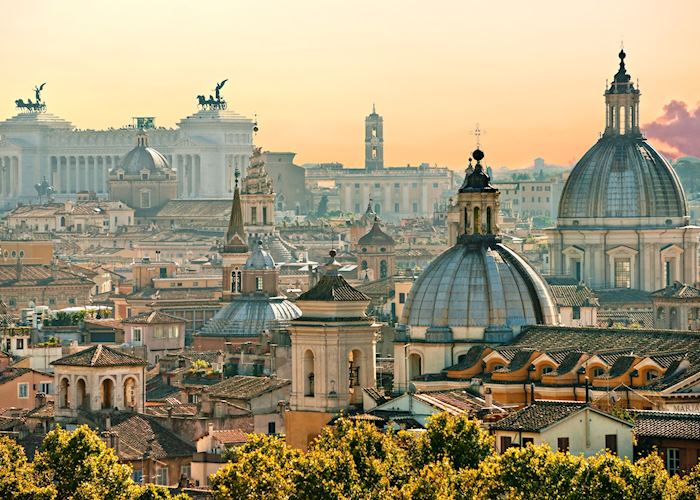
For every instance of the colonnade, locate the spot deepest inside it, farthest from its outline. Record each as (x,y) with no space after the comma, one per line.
(10,182)
(71,174)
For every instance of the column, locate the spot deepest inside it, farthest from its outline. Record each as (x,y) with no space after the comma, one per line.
(90,167)
(100,174)
(63,174)
(180,176)
(197,176)
(425,209)
(4,177)
(16,174)
(388,185)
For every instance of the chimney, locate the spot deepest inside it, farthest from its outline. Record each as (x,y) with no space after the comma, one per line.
(39,400)
(210,428)
(488,398)
(532,393)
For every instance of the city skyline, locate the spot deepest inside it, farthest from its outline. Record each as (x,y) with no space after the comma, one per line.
(336,62)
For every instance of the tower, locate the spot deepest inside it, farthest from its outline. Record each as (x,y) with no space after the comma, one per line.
(375,254)
(333,354)
(258,198)
(622,104)
(235,252)
(374,141)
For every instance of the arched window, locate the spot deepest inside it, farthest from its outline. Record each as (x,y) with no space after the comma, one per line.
(130,393)
(63,393)
(598,372)
(364,265)
(63,221)
(660,313)
(81,394)
(415,366)
(489,229)
(354,364)
(107,392)
(673,318)
(651,375)
(383,269)
(477,221)
(547,370)
(308,373)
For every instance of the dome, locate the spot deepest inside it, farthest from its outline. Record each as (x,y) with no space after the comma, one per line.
(376,236)
(260,259)
(142,158)
(249,316)
(622,176)
(487,286)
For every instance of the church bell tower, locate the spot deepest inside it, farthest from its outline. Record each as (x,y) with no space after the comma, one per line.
(374,141)
(235,252)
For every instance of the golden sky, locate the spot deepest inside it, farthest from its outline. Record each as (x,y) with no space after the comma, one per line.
(531,73)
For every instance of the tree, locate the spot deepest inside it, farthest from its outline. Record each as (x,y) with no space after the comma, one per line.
(79,465)
(322,206)
(16,474)
(456,438)
(264,467)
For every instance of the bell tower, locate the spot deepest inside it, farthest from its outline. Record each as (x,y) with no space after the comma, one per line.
(334,345)
(235,252)
(374,141)
(474,215)
(622,104)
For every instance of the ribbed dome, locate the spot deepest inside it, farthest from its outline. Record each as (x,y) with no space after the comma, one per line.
(249,316)
(143,157)
(260,259)
(479,286)
(622,176)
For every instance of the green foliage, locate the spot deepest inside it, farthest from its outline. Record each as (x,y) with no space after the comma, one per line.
(63,318)
(72,466)
(322,208)
(457,439)
(264,467)
(452,460)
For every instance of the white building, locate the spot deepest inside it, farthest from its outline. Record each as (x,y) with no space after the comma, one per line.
(205,149)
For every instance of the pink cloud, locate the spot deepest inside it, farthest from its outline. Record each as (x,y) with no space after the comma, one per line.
(678,127)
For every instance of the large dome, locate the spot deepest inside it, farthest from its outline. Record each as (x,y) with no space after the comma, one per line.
(489,287)
(622,176)
(142,158)
(250,316)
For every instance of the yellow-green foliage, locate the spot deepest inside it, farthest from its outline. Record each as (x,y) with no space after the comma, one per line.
(73,466)
(453,460)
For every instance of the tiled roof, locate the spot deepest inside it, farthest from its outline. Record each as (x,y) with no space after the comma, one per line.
(473,355)
(569,362)
(609,317)
(12,373)
(678,291)
(574,296)
(230,436)
(215,209)
(165,294)
(623,296)
(141,433)
(245,387)
(454,402)
(376,236)
(666,424)
(333,288)
(164,410)
(538,416)
(99,356)
(39,275)
(153,317)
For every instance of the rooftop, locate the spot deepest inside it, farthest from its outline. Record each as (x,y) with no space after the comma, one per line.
(99,356)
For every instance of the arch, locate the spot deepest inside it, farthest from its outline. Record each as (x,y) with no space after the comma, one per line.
(673,322)
(130,393)
(651,374)
(63,221)
(383,269)
(477,220)
(489,226)
(81,393)
(354,367)
(364,265)
(309,373)
(107,393)
(596,371)
(64,393)
(415,366)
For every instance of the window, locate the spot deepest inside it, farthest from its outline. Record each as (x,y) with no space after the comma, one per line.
(45,387)
(71,301)
(264,214)
(52,301)
(162,476)
(145,199)
(144,176)
(611,443)
(8,344)
(271,428)
(527,441)
(576,312)
(136,335)
(174,332)
(357,186)
(158,332)
(546,370)
(506,442)
(253,215)
(19,344)
(397,207)
(259,283)
(23,390)
(415,208)
(186,470)
(623,273)
(137,476)
(12,302)
(651,375)
(435,185)
(563,444)
(598,372)
(377,185)
(402,298)
(397,185)
(673,460)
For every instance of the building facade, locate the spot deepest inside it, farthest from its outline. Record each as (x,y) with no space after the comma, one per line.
(204,149)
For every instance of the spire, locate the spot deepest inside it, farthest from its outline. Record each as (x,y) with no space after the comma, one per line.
(235,235)
(622,83)
(331,267)
(478,179)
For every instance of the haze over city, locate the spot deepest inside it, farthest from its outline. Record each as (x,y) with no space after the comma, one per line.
(531,74)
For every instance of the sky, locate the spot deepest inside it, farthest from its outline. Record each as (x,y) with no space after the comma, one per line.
(532,74)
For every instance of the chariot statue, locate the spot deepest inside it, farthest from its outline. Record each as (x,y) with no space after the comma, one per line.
(33,107)
(215,101)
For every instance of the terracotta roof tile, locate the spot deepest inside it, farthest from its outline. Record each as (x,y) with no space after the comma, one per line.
(245,387)
(334,288)
(665,424)
(99,356)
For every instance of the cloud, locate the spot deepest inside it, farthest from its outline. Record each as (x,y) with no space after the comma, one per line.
(678,127)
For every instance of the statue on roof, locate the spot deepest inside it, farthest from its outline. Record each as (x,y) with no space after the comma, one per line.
(30,106)
(214,101)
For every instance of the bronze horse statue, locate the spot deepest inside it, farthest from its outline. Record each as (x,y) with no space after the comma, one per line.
(29,105)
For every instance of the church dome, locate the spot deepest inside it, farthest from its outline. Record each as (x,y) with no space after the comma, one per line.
(260,259)
(376,236)
(486,286)
(622,176)
(249,316)
(143,157)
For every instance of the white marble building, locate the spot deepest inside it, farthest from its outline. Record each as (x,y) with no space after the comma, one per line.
(205,148)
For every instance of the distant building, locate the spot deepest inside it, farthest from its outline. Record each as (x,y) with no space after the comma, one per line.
(86,215)
(289,182)
(397,192)
(676,307)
